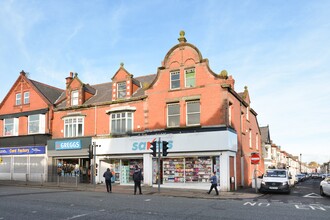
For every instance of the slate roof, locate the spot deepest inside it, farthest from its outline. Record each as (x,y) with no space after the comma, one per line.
(103,92)
(49,92)
(265,136)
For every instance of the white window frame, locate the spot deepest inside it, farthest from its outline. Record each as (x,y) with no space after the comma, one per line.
(118,118)
(26,97)
(175,73)
(173,115)
(72,126)
(193,113)
(230,112)
(14,124)
(190,85)
(250,138)
(257,141)
(40,123)
(74,97)
(18,100)
(121,90)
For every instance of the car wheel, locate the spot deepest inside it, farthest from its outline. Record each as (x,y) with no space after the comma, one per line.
(321,191)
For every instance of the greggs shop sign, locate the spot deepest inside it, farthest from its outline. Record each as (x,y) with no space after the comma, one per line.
(68,145)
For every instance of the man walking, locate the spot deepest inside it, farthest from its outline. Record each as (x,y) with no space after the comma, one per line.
(108,175)
(137,177)
(214,184)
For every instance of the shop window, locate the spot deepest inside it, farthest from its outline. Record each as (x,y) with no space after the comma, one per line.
(10,127)
(74,98)
(193,113)
(73,127)
(121,90)
(173,115)
(121,123)
(36,124)
(26,97)
(18,99)
(175,80)
(190,78)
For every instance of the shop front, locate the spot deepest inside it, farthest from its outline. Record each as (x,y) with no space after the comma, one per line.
(190,162)
(69,160)
(24,163)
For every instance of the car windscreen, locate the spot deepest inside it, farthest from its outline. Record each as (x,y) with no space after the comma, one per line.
(275,173)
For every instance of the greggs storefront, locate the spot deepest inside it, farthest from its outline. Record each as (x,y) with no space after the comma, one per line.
(191,159)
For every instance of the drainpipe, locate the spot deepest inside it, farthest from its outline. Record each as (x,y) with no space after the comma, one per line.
(95,114)
(241,145)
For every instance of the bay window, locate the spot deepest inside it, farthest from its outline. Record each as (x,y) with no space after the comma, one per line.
(10,127)
(36,124)
(73,126)
(121,122)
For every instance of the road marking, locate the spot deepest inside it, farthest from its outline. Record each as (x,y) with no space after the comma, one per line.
(102,210)
(76,216)
(259,204)
(147,200)
(313,195)
(310,207)
(34,211)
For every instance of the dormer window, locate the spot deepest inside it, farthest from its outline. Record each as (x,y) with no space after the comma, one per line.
(74,98)
(190,78)
(121,90)
(18,99)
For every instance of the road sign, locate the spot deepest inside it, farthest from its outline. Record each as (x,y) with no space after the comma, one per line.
(255,158)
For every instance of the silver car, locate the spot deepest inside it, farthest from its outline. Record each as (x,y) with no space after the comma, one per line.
(325,187)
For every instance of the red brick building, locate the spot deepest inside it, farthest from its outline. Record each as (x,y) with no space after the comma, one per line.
(26,116)
(208,125)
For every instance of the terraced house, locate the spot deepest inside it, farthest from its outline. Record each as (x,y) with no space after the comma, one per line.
(207,124)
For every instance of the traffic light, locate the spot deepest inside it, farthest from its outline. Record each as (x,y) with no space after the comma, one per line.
(90,152)
(165,148)
(154,148)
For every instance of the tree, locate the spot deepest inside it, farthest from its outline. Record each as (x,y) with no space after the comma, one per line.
(313,164)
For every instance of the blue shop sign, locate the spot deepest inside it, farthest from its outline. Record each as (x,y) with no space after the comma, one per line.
(23,150)
(68,145)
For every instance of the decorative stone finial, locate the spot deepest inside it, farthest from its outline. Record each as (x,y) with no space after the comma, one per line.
(245,88)
(22,73)
(121,64)
(182,39)
(224,74)
(75,74)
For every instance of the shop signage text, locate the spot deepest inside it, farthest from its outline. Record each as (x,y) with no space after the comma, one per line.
(23,150)
(68,145)
(140,146)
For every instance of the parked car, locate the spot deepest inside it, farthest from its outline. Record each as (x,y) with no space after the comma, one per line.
(325,187)
(325,175)
(300,177)
(315,175)
(276,180)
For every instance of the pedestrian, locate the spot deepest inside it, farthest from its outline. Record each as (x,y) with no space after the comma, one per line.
(108,175)
(137,177)
(214,183)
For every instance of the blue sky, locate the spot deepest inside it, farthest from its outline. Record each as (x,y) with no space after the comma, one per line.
(279,49)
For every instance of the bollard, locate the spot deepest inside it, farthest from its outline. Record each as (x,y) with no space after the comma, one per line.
(26,179)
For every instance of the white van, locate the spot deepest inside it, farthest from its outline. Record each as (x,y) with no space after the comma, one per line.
(276,180)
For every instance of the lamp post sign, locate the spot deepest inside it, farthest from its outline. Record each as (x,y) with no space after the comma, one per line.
(255,159)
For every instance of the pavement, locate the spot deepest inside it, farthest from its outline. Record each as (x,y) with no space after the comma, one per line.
(244,193)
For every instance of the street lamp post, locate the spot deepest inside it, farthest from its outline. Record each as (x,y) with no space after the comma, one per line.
(300,164)
(93,167)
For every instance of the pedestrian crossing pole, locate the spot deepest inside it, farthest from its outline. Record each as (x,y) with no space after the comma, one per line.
(158,165)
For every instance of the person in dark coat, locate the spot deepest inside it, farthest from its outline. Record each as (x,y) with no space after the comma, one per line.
(137,177)
(214,183)
(108,175)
